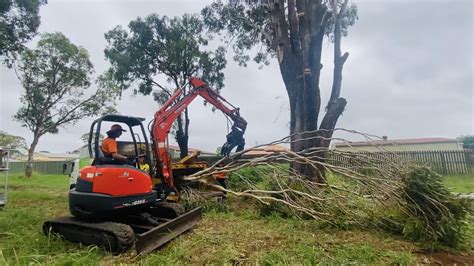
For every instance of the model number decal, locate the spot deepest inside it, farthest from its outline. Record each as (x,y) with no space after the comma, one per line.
(133,203)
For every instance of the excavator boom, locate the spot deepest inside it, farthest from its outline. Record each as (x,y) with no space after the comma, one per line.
(173,108)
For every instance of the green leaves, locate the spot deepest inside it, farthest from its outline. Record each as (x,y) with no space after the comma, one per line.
(348,19)
(432,215)
(160,46)
(19,21)
(55,76)
(12,141)
(248,25)
(467,141)
(243,27)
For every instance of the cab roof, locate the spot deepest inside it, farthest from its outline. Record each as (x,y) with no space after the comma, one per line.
(129,120)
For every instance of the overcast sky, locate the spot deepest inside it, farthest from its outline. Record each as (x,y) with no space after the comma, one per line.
(409,74)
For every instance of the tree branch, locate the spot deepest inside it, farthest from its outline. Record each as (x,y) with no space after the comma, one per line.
(338,59)
(280,28)
(161,87)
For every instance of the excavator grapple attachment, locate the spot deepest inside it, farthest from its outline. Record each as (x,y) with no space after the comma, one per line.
(234,139)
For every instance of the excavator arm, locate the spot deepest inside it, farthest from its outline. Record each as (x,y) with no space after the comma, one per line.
(173,108)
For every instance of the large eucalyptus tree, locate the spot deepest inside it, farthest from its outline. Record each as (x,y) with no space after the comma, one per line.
(293,32)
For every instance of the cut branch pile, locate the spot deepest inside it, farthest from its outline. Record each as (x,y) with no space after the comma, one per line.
(362,192)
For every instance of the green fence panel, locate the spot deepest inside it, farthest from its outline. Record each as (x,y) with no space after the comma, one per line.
(53,167)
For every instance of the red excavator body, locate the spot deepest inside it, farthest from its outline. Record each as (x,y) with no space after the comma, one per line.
(115,204)
(108,191)
(116,180)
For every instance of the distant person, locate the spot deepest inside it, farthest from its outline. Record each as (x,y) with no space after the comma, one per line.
(109,144)
(221,179)
(142,164)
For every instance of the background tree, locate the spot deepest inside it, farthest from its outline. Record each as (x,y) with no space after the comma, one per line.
(293,31)
(467,141)
(156,47)
(16,143)
(55,77)
(85,138)
(19,22)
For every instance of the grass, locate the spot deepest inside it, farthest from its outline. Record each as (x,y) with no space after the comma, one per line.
(462,183)
(222,237)
(229,238)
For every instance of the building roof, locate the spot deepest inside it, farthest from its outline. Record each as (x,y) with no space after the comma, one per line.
(46,156)
(396,141)
(176,148)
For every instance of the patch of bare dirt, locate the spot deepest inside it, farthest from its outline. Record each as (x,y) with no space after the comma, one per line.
(444,258)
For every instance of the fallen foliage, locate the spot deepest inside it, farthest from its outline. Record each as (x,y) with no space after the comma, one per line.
(359,189)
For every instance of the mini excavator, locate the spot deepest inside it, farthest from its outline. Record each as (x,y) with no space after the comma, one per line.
(116,205)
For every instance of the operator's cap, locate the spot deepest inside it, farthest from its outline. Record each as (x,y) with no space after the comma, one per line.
(117,127)
(142,155)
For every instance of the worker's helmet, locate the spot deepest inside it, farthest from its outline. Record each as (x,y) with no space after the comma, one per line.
(117,127)
(115,131)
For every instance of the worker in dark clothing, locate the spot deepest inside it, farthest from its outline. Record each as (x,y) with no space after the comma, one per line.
(221,178)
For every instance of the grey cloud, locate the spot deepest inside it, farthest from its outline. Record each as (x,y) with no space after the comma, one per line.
(409,74)
(413,74)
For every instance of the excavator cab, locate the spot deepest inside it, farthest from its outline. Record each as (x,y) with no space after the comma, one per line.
(135,147)
(107,187)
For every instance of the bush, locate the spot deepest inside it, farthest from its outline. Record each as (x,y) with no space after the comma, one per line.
(429,214)
(240,179)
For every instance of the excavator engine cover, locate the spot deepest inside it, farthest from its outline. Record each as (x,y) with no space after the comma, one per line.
(110,190)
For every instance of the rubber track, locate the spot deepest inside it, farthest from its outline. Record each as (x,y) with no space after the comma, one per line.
(176,208)
(115,237)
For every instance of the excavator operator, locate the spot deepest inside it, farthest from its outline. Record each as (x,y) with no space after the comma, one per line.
(109,144)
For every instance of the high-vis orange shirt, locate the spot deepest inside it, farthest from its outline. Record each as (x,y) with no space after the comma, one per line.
(220,175)
(109,146)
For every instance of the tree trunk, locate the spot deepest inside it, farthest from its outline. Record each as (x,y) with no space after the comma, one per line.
(298,43)
(29,162)
(182,140)
(182,135)
(301,78)
(304,108)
